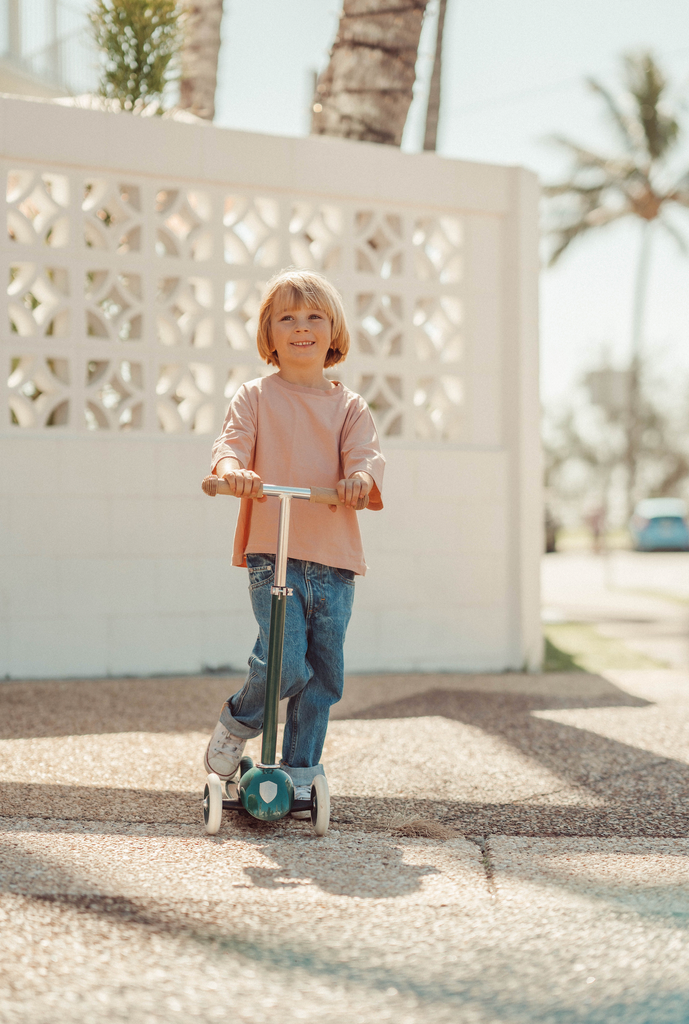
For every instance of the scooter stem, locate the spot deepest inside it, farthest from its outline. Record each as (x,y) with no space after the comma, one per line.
(276,639)
(283,535)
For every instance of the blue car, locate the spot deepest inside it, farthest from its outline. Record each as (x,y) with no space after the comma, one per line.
(660,524)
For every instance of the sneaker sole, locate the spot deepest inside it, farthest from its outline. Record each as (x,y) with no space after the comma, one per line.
(301,814)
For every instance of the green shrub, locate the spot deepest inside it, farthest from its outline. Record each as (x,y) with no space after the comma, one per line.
(139,41)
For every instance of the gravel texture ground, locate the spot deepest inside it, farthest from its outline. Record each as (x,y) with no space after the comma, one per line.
(556,888)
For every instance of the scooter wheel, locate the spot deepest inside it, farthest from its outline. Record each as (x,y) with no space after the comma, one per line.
(320,805)
(212,804)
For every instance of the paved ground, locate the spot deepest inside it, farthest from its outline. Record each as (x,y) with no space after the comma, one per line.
(555,887)
(559,893)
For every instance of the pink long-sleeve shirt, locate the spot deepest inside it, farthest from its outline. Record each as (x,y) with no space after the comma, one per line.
(301,437)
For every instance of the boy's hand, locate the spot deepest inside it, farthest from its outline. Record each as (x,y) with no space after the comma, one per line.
(350,491)
(243,483)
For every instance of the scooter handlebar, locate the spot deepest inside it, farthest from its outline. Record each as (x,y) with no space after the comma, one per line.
(212,485)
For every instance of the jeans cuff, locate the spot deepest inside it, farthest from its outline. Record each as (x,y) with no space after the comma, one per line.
(235,728)
(302,776)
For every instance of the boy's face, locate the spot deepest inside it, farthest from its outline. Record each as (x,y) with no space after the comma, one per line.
(301,337)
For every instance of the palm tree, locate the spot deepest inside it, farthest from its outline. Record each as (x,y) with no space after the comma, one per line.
(637,183)
(366,89)
(200,57)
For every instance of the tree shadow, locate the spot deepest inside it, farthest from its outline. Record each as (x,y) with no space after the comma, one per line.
(94,707)
(625,790)
(474,986)
(637,792)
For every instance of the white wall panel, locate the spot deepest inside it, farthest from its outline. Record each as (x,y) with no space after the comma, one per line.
(135,253)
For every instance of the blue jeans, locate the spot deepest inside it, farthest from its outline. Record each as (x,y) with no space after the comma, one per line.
(316,621)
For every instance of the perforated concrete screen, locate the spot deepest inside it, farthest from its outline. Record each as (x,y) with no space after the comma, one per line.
(133,302)
(133,254)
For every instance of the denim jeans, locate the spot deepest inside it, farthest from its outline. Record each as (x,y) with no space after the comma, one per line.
(316,621)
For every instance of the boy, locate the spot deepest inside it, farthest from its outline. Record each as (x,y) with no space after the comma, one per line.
(298,428)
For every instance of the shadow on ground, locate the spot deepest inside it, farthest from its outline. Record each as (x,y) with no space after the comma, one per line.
(625,790)
(92,707)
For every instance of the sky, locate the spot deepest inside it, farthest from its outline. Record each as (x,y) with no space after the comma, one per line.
(513,76)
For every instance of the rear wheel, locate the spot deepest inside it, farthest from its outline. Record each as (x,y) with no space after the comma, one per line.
(212,804)
(320,805)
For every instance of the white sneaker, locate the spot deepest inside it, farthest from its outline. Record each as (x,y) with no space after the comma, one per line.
(223,753)
(302,793)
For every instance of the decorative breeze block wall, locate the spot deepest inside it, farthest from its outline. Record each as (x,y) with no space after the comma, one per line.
(131,304)
(133,254)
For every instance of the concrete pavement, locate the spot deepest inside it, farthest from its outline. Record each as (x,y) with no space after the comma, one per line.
(560,894)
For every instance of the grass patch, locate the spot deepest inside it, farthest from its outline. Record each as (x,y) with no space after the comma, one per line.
(556,660)
(577,646)
(582,540)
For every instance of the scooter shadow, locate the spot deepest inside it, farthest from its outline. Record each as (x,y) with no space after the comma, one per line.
(333,871)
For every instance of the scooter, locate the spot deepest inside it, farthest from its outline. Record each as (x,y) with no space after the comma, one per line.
(264,789)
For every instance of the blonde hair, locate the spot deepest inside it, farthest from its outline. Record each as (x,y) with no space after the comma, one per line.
(307,290)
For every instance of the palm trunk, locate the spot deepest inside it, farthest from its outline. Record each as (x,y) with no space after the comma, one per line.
(14,30)
(634,421)
(433,108)
(366,90)
(200,57)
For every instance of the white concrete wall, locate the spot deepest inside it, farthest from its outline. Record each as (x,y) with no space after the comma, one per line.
(111,559)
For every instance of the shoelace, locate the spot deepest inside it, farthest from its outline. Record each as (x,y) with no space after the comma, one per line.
(228,744)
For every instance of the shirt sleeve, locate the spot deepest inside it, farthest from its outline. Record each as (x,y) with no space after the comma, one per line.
(360,450)
(238,436)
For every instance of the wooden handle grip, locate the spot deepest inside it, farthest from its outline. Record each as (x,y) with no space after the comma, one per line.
(328,496)
(212,485)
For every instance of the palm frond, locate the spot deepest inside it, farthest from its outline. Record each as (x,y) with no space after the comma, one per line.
(676,234)
(680,196)
(586,159)
(602,216)
(565,234)
(683,182)
(574,188)
(646,83)
(680,193)
(562,239)
(629,128)
(600,189)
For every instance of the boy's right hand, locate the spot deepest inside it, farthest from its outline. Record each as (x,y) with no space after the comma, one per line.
(243,483)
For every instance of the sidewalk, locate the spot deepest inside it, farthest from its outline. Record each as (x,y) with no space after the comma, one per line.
(638,598)
(561,893)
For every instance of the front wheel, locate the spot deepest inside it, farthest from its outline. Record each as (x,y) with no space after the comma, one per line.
(212,804)
(320,805)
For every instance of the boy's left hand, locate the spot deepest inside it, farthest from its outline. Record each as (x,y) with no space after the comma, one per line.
(350,491)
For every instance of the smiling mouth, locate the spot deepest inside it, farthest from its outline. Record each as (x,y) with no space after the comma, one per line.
(301,344)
